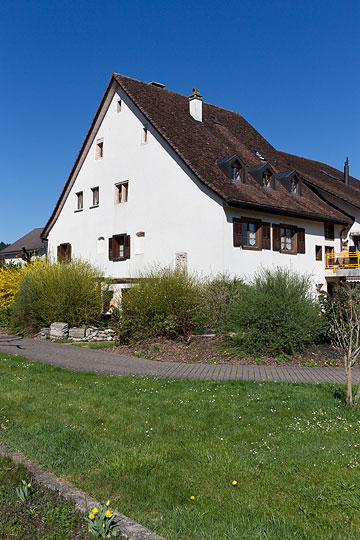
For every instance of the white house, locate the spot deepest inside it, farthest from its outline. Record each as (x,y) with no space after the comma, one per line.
(169,179)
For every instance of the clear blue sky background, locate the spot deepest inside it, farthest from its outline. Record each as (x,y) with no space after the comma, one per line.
(290,68)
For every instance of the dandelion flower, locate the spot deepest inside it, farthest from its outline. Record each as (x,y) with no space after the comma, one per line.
(29,484)
(91,516)
(108,514)
(95,511)
(234,483)
(192,497)
(6,421)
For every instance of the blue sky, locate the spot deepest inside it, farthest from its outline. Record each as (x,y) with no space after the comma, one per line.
(290,68)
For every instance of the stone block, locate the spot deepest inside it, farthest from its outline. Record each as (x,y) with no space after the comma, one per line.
(59,330)
(76,332)
(44,333)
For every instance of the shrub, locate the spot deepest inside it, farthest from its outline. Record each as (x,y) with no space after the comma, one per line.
(164,302)
(218,293)
(276,313)
(70,291)
(10,277)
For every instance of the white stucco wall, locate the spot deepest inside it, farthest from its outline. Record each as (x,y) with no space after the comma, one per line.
(176,212)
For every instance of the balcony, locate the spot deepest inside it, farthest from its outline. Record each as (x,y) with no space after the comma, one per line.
(342,261)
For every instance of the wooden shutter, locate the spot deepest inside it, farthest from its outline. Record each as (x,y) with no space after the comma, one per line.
(266,236)
(237,231)
(276,237)
(301,240)
(127,246)
(68,251)
(59,254)
(111,249)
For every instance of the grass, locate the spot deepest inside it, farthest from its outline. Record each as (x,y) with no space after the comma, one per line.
(97,345)
(43,515)
(150,444)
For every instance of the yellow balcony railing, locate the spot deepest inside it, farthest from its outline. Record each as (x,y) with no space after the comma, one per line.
(345,259)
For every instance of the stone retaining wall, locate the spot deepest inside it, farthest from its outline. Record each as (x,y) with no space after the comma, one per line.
(60,330)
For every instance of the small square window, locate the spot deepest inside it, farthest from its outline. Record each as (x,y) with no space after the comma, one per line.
(99,149)
(95,196)
(267,179)
(121,192)
(79,200)
(318,253)
(119,247)
(236,173)
(118,105)
(294,186)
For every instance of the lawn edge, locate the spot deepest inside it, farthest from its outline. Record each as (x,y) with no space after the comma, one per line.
(129,529)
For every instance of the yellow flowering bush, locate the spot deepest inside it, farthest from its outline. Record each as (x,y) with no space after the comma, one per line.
(10,277)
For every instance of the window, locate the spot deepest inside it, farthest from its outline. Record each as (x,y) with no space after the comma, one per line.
(99,149)
(118,105)
(121,192)
(267,179)
(288,239)
(144,135)
(329,231)
(294,187)
(79,200)
(95,196)
(318,253)
(236,172)
(119,247)
(64,252)
(251,233)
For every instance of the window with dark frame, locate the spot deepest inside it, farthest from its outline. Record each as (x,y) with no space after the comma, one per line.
(329,231)
(318,253)
(80,200)
(121,192)
(95,196)
(119,247)
(288,239)
(251,234)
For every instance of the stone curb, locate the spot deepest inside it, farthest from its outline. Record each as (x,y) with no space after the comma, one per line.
(129,529)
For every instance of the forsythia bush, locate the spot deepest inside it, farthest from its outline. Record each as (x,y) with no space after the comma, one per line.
(71,292)
(10,277)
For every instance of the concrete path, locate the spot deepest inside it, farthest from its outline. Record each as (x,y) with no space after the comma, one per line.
(81,359)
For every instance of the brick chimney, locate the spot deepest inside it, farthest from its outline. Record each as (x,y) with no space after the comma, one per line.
(195,105)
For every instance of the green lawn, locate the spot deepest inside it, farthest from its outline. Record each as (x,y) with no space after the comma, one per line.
(149,445)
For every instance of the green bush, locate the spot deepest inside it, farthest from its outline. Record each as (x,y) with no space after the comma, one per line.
(71,292)
(163,302)
(276,313)
(217,294)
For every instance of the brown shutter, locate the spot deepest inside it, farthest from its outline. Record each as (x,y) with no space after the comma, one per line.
(127,246)
(68,251)
(276,237)
(301,240)
(111,249)
(59,254)
(266,236)
(237,231)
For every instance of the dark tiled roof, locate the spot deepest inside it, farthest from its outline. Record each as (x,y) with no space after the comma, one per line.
(325,177)
(31,242)
(201,144)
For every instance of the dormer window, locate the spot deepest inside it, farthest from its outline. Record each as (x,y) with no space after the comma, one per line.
(236,172)
(233,167)
(294,187)
(267,179)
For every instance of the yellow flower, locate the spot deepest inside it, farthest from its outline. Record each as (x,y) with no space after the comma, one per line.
(108,503)
(95,511)
(29,484)
(234,483)
(91,515)
(108,514)
(192,497)
(6,421)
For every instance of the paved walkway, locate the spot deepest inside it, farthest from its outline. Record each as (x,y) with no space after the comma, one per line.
(81,359)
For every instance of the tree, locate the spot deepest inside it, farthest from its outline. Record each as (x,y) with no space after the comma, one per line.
(3,245)
(343,312)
